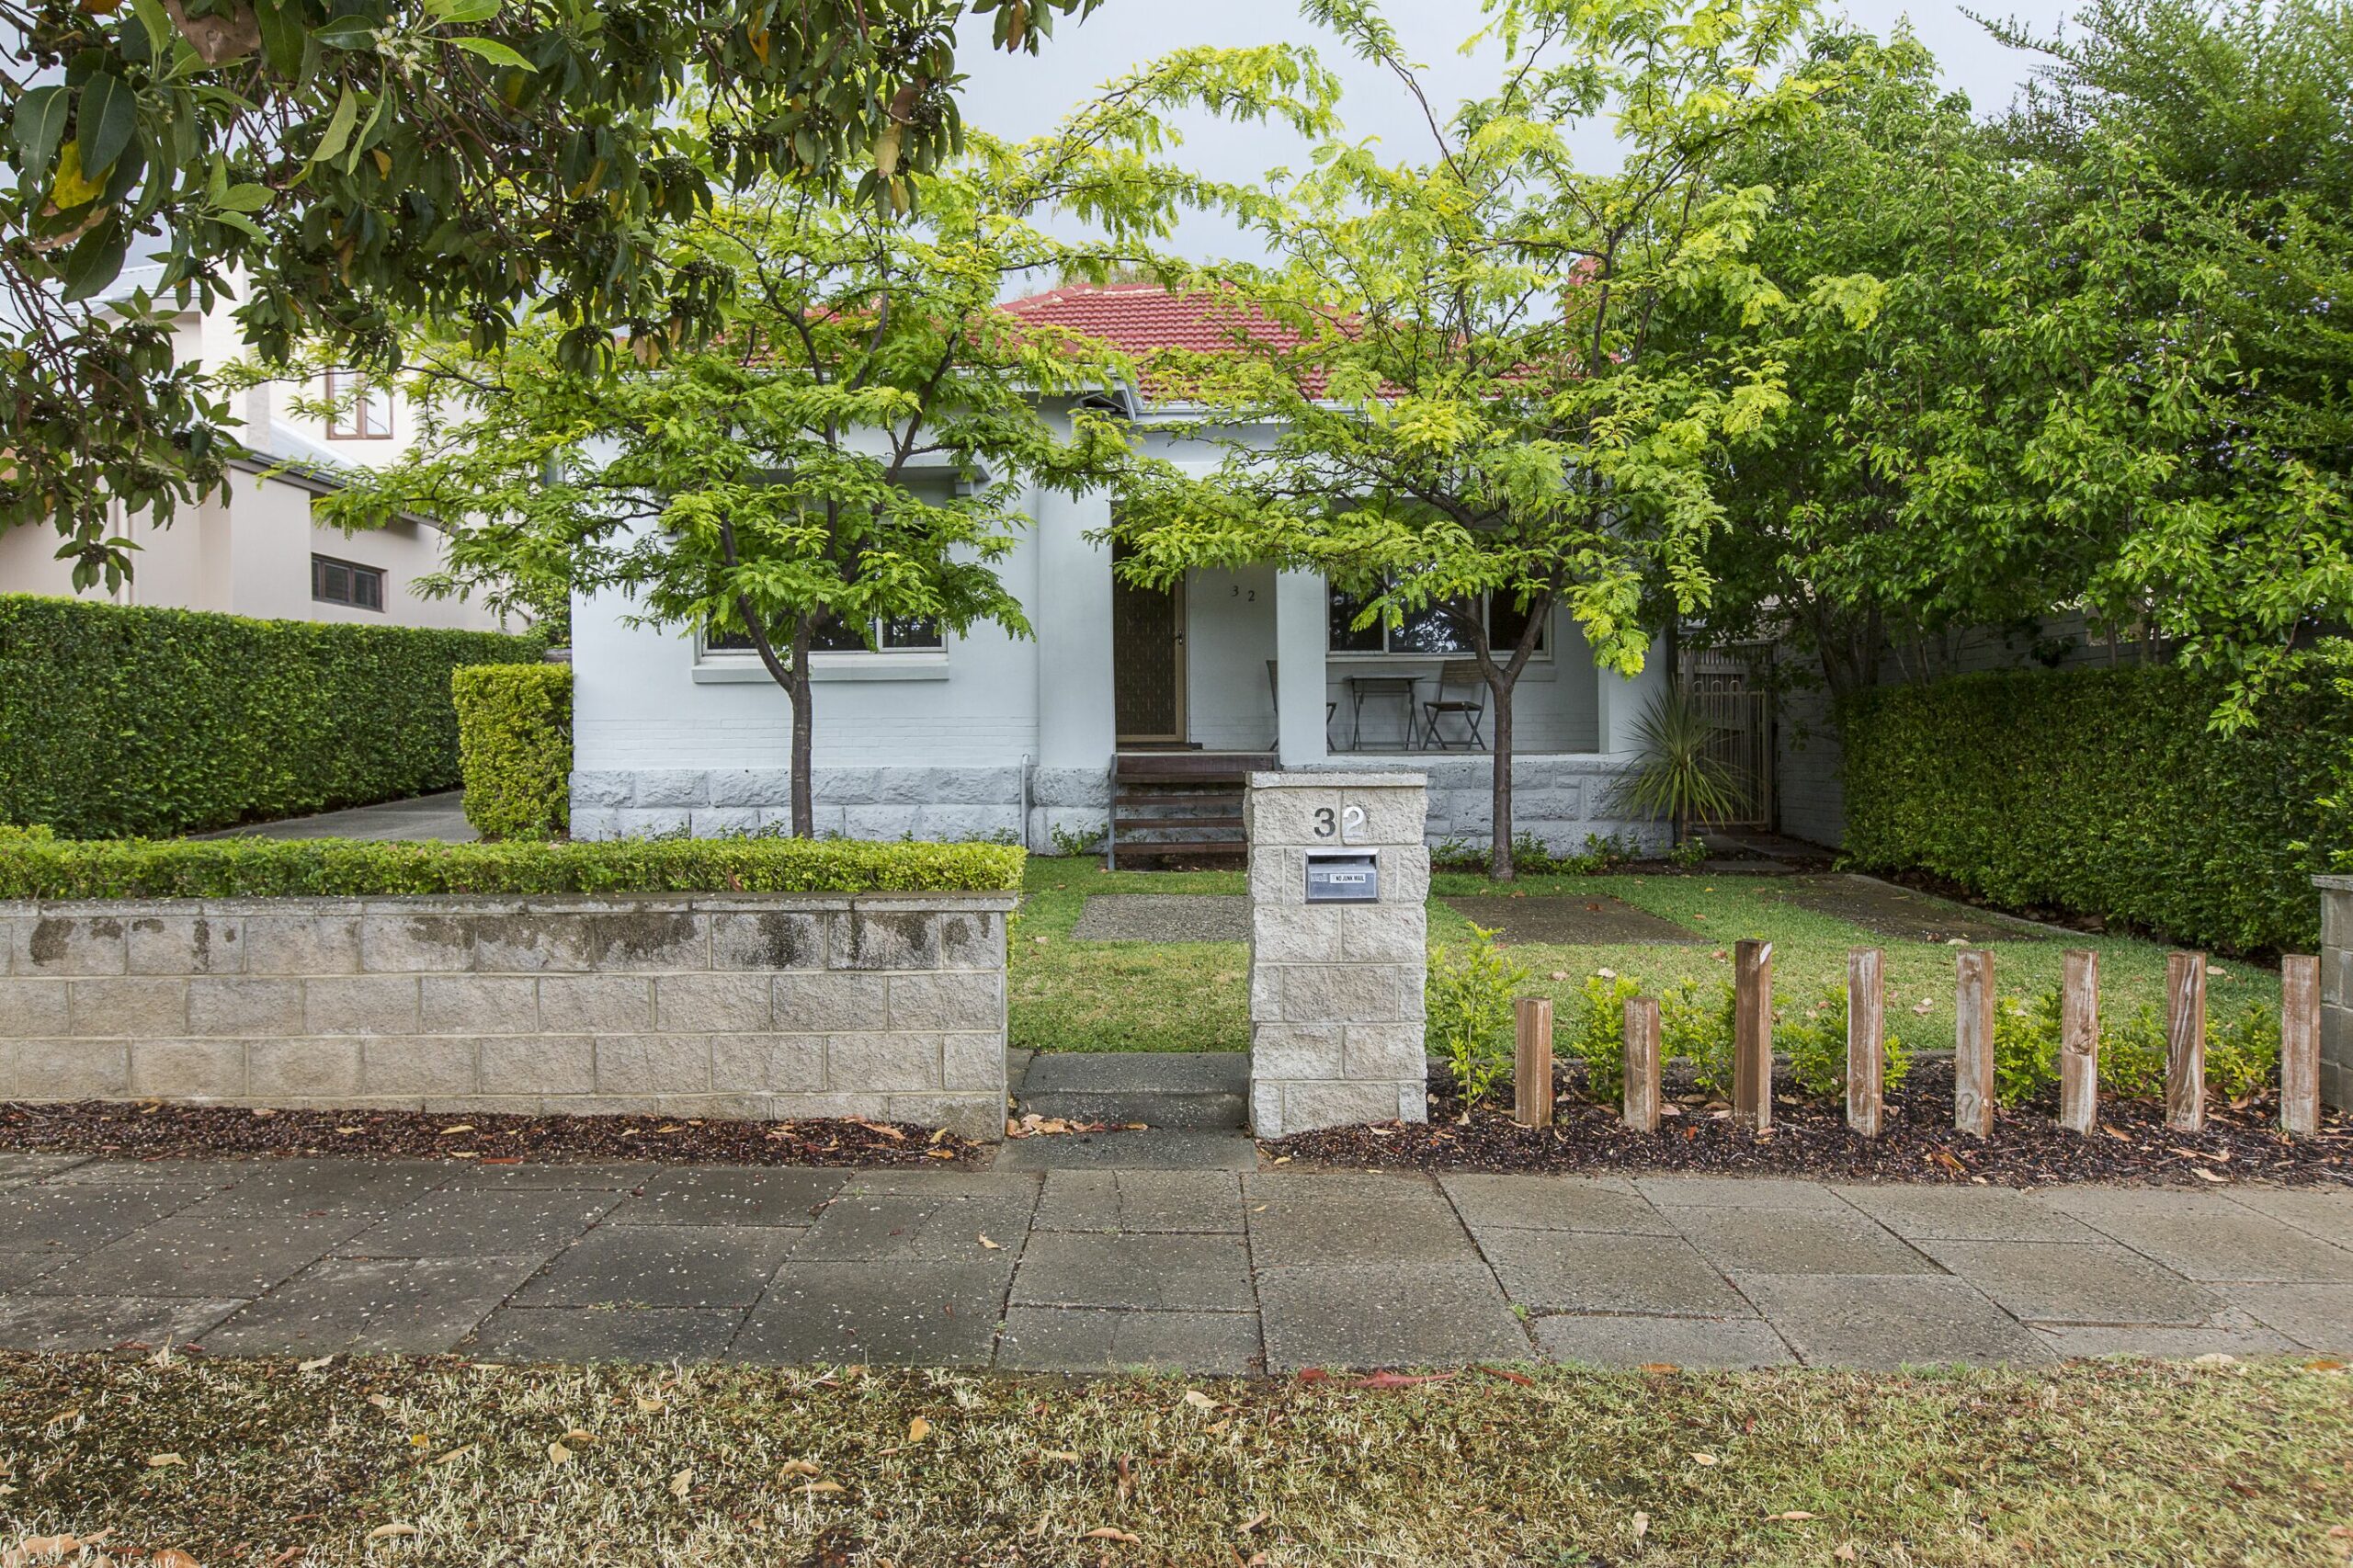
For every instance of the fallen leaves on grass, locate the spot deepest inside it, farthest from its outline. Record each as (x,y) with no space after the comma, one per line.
(164,1460)
(918,1430)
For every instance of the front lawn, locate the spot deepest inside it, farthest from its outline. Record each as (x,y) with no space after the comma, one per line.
(378,1460)
(1066,995)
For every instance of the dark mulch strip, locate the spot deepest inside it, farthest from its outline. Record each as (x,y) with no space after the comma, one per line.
(151,1131)
(2028,1149)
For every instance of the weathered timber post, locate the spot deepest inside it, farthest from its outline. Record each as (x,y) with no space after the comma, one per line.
(2336,991)
(1866,1039)
(2079,1041)
(1532,1061)
(1752,1035)
(1642,1063)
(2186,1041)
(1972,1044)
(2299,1045)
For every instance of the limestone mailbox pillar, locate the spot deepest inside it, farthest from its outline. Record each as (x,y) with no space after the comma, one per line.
(1338,873)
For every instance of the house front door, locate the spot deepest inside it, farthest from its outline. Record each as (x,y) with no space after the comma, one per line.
(1147,661)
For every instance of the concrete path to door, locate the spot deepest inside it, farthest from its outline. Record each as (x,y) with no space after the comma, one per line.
(1212,1271)
(438,817)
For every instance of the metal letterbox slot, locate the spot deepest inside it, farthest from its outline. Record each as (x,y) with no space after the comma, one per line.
(1343,877)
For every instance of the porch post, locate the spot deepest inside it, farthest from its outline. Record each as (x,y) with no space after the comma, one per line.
(1620,700)
(1301,639)
(1071,612)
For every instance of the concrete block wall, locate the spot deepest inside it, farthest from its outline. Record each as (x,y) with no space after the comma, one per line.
(943,804)
(883,1005)
(1559,797)
(2336,991)
(1335,989)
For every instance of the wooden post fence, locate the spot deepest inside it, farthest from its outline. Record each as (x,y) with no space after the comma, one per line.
(2079,1041)
(1642,1063)
(1532,1063)
(1866,1039)
(1972,1044)
(2186,1041)
(2299,1045)
(1752,1035)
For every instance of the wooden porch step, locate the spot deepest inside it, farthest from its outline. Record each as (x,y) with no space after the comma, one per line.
(1189,823)
(1192,798)
(1203,846)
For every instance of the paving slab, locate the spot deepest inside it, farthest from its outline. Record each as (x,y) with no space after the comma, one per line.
(2326,1213)
(1580,1271)
(101,1323)
(1796,1241)
(1063,1339)
(918,1313)
(2164,1343)
(606,1334)
(923,1181)
(1574,920)
(660,1266)
(1072,1268)
(690,1195)
(477,1222)
(910,1229)
(1411,1224)
(2318,1317)
(212,1174)
(2066,1282)
(534,1176)
(21,1266)
(1152,1202)
(1397,1315)
(217,1259)
(1739,1192)
(1903,914)
(16,1167)
(1891,1321)
(320,1189)
(1965,1214)
(1553,1203)
(2207,1235)
(1156,1148)
(73,1220)
(394,1306)
(1164,917)
(1718,1343)
(1141,1072)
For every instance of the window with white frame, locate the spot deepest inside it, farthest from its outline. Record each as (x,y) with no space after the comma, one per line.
(886,635)
(362,412)
(1441,630)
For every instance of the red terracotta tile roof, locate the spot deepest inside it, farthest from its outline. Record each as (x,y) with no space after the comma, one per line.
(1140,319)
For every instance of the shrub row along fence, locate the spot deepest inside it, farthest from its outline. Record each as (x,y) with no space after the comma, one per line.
(2109,792)
(2001,1052)
(131,722)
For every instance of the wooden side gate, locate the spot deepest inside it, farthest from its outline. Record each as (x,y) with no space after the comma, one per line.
(1731,688)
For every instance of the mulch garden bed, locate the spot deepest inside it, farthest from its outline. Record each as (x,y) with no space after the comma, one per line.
(2028,1148)
(149,1130)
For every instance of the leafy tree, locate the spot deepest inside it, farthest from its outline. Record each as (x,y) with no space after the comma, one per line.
(1456,353)
(352,164)
(854,444)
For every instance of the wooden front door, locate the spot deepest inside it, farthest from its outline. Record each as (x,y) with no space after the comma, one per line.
(1147,660)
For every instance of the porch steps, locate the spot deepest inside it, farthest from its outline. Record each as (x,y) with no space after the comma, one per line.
(1185,804)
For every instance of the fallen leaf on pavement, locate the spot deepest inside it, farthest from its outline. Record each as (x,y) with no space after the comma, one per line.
(990,1245)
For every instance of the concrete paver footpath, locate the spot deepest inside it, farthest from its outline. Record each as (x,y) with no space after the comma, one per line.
(1213,1271)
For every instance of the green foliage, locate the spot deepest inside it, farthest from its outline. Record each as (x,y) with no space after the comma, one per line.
(1531,857)
(2242,1052)
(356,162)
(1699,1033)
(2025,1047)
(1071,845)
(2107,792)
(262,867)
(1676,776)
(1814,1043)
(118,721)
(1468,1011)
(515,747)
(1599,1041)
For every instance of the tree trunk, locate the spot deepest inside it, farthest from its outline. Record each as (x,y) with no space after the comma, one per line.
(804,726)
(1499,863)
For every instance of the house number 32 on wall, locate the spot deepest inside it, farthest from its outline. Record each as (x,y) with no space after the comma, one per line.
(1350,824)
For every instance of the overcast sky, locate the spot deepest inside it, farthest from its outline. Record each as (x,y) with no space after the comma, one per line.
(1022,96)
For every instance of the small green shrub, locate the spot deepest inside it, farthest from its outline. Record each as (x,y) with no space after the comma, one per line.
(2025,1047)
(1074,845)
(257,867)
(1815,1043)
(2242,1052)
(2133,1055)
(1599,1040)
(1468,1007)
(515,747)
(1699,1033)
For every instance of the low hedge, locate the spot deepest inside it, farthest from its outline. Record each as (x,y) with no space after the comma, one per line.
(515,747)
(38,867)
(2107,792)
(117,722)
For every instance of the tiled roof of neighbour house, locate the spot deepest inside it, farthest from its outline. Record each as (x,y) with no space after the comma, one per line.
(1141,318)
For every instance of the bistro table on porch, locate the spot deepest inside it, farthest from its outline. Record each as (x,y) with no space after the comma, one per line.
(1377,688)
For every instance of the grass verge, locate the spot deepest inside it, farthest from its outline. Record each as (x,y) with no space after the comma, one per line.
(380,1461)
(1066,994)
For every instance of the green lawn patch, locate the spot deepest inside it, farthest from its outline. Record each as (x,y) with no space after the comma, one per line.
(1067,995)
(378,1461)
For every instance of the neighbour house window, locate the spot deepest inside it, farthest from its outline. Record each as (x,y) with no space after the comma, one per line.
(362,413)
(891,636)
(1435,632)
(337,581)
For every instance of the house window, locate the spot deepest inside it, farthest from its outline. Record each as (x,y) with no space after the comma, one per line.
(890,636)
(1433,632)
(337,581)
(362,413)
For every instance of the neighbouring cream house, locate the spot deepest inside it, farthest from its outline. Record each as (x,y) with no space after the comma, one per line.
(1147,707)
(253,548)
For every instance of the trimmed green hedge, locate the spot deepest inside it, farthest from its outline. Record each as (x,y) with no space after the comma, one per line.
(117,722)
(515,747)
(2106,792)
(35,866)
